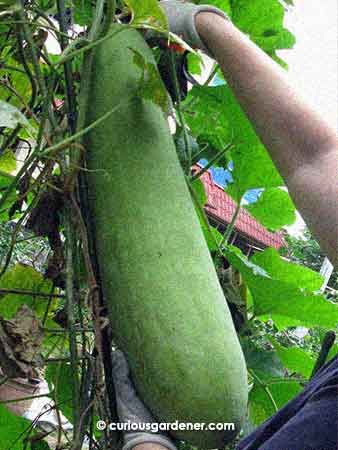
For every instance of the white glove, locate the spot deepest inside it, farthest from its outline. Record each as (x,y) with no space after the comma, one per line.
(181,18)
(130,408)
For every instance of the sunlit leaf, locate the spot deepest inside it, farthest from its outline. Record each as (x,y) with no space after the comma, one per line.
(83,12)
(151,84)
(13,429)
(262,407)
(272,295)
(7,162)
(295,359)
(200,193)
(10,117)
(217,118)
(291,273)
(147,12)
(274,209)
(26,278)
(8,7)
(266,362)
(59,378)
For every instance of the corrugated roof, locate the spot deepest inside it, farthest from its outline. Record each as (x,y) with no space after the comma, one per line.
(222,207)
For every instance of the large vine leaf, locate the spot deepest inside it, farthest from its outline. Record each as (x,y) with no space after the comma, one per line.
(218,119)
(147,13)
(265,362)
(13,429)
(83,12)
(58,377)
(294,358)
(206,119)
(261,406)
(291,273)
(16,79)
(273,209)
(224,5)
(333,352)
(253,169)
(7,163)
(262,20)
(11,116)
(5,181)
(280,296)
(151,85)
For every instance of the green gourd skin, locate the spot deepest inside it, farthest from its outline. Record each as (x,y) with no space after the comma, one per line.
(167,309)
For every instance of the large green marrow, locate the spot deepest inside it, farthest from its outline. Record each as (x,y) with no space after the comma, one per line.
(167,309)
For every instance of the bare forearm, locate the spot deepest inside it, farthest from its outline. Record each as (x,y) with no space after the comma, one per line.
(300,143)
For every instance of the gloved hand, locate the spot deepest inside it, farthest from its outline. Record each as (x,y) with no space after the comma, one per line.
(181,18)
(131,409)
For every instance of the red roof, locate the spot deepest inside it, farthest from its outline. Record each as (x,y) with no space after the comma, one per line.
(222,207)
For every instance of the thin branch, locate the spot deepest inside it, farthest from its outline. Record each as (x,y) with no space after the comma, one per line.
(231,225)
(68,56)
(109,16)
(64,144)
(70,306)
(213,161)
(4,291)
(187,143)
(21,399)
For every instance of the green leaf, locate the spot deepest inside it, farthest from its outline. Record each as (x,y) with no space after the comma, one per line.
(273,296)
(11,116)
(211,236)
(8,7)
(275,40)
(40,445)
(261,406)
(19,81)
(333,352)
(151,84)
(274,209)
(206,119)
(253,168)
(13,429)
(7,163)
(25,278)
(59,377)
(257,16)
(5,209)
(199,190)
(5,180)
(83,12)
(291,273)
(194,64)
(263,20)
(218,119)
(266,362)
(224,5)
(147,13)
(295,359)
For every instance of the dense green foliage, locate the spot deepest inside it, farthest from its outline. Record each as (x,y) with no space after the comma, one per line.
(42,184)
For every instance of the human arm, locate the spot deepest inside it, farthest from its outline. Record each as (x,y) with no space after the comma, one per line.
(301,144)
